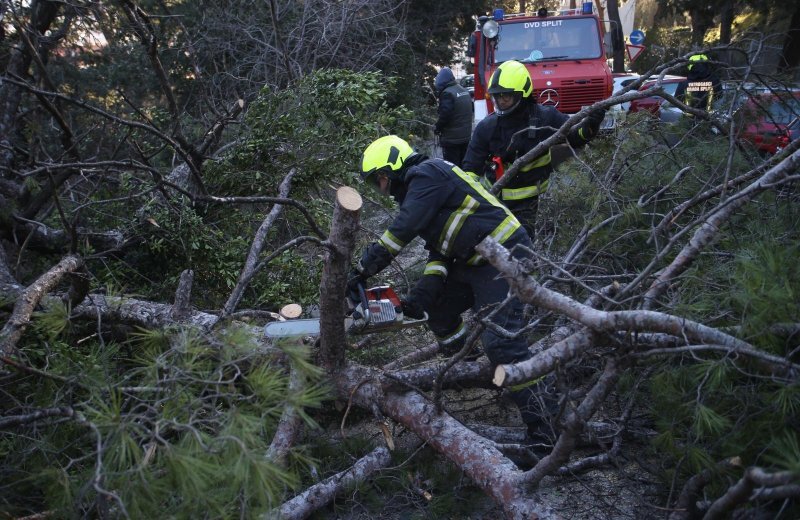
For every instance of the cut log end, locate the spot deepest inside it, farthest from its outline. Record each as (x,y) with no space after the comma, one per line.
(499,375)
(291,311)
(348,198)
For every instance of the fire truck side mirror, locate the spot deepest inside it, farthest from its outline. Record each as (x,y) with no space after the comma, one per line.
(471,46)
(608,44)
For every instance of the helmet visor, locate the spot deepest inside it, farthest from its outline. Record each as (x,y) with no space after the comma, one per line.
(371,178)
(506,102)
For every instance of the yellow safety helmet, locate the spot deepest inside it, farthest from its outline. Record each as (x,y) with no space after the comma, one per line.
(385,155)
(696,57)
(510,77)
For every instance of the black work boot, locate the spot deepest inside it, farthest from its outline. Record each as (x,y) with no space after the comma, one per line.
(538,406)
(541,438)
(451,349)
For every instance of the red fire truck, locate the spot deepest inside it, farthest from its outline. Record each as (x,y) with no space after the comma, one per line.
(563,51)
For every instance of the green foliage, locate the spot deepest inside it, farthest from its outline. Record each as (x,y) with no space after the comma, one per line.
(765,289)
(664,44)
(785,452)
(713,409)
(705,406)
(319,126)
(182,426)
(288,129)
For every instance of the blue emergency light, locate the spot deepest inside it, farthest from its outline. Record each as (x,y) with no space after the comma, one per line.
(498,14)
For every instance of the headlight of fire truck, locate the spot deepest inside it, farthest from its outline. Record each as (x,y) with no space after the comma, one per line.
(490,29)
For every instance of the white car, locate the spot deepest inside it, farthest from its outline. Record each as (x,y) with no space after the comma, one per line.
(622,80)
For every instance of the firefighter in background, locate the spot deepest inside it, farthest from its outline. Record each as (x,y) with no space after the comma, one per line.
(703,82)
(454,124)
(499,139)
(452,212)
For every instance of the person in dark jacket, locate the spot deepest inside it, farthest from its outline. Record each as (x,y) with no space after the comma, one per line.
(454,124)
(499,140)
(702,82)
(452,212)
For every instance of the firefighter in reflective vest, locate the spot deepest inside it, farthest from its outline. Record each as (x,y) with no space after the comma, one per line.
(702,82)
(452,212)
(500,139)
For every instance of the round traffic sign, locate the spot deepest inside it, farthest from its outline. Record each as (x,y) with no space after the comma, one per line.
(636,37)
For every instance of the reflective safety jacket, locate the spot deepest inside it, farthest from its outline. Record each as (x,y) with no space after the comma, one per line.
(450,210)
(497,136)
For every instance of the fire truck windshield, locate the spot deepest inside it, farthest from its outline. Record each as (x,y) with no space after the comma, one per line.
(548,39)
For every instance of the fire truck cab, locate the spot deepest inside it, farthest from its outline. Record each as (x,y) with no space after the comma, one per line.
(562,50)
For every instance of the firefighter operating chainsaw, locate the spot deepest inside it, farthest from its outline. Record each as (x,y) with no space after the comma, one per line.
(452,212)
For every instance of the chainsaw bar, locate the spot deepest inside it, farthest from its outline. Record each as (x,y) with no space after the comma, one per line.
(303,328)
(292,329)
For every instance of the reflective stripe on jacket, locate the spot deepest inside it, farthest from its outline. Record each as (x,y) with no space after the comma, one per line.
(450,210)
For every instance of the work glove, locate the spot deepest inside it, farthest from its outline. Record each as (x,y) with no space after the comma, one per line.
(355,280)
(596,117)
(412,309)
(373,260)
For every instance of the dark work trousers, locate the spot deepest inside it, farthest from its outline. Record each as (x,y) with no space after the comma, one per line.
(525,210)
(454,152)
(476,287)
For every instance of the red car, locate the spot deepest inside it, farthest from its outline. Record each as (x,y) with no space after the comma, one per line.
(769,122)
(674,85)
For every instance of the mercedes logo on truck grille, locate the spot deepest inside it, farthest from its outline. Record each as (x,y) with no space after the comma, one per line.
(548,97)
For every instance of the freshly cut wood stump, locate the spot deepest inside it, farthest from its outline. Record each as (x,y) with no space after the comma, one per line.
(291,311)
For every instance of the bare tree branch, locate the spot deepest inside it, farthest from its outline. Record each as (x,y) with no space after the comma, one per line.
(257,246)
(740,492)
(321,494)
(29,299)
(289,425)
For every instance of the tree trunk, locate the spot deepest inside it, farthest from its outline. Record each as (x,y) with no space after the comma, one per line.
(344,229)
(790,54)
(477,457)
(702,20)
(601,13)
(43,14)
(617,38)
(726,22)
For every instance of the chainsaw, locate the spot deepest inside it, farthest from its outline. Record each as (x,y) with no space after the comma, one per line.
(379,310)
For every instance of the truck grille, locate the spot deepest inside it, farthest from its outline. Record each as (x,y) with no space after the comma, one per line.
(574,96)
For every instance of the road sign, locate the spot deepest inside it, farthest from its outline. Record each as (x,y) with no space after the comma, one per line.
(636,37)
(633,51)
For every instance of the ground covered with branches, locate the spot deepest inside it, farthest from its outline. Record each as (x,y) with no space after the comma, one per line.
(151,226)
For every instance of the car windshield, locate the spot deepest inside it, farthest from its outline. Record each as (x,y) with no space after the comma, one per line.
(783,112)
(669,88)
(545,39)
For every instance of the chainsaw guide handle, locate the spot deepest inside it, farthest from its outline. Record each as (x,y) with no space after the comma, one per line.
(362,293)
